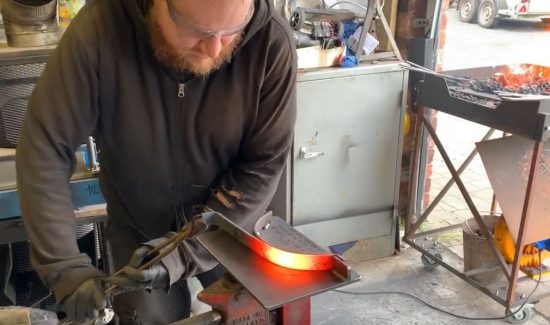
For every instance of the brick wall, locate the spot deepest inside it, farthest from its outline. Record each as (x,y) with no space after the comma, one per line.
(408,11)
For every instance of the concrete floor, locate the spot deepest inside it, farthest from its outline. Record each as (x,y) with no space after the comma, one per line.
(405,273)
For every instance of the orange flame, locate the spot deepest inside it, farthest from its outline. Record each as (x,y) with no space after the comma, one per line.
(516,76)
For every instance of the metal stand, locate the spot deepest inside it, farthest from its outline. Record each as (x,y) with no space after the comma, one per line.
(432,253)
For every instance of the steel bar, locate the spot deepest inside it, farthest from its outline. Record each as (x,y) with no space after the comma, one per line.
(456,272)
(418,68)
(387,29)
(413,186)
(524,223)
(447,186)
(435,231)
(484,230)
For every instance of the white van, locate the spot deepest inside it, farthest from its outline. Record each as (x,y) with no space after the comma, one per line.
(488,12)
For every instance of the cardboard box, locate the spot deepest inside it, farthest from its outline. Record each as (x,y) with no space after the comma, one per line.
(316,57)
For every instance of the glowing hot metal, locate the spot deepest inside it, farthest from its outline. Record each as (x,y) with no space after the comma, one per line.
(314,259)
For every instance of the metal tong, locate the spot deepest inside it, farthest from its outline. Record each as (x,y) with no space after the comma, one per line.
(197,226)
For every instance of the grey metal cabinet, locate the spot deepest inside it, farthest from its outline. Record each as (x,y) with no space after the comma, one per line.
(341,183)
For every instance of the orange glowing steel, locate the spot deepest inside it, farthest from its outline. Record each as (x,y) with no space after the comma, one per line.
(287,259)
(291,260)
(297,261)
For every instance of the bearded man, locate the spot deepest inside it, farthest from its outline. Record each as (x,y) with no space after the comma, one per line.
(192,103)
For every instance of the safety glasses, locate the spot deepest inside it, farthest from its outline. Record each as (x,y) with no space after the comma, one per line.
(202,33)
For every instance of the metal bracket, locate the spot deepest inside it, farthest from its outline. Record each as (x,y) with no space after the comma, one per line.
(421,22)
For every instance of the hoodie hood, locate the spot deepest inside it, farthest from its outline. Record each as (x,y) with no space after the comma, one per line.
(138,9)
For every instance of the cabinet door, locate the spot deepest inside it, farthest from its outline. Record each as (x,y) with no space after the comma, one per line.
(346,151)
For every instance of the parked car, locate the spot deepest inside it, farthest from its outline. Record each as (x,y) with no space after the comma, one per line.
(489,12)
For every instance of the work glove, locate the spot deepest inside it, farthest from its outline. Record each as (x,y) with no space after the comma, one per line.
(85,302)
(131,279)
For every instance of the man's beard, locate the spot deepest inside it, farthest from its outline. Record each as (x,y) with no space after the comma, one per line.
(178,61)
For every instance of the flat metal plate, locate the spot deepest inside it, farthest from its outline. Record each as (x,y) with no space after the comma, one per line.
(507,162)
(271,284)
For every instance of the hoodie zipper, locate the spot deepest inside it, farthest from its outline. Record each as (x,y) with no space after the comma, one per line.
(181,89)
(180,214)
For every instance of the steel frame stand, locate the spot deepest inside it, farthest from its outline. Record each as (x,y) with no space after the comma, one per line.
(511,301)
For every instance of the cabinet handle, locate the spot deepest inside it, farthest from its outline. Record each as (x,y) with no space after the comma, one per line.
(303,154)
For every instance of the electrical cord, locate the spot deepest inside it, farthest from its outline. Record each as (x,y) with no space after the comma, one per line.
(445,311)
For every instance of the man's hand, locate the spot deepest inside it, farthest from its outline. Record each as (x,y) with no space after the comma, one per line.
(132,279)
(85,302)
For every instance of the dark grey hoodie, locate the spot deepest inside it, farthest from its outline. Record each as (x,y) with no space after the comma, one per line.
(161,154)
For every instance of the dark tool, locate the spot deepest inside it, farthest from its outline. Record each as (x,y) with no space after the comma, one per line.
(302,16)
(156,254)
(194,228)
(304,40)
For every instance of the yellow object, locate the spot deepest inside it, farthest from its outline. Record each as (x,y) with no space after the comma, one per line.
(406,124)
(68,10)
(505,243)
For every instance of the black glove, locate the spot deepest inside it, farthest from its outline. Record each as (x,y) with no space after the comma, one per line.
(132,279)
(85,302)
